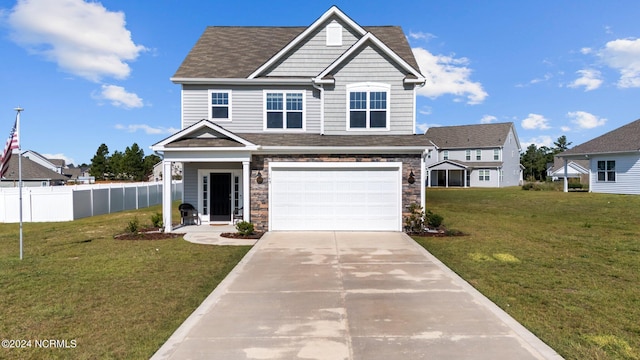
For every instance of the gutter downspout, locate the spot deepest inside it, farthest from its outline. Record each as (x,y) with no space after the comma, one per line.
(321,89)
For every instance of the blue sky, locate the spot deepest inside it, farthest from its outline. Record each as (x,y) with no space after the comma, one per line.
(92,72)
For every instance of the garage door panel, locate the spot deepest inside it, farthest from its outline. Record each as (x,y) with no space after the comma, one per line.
(335,199)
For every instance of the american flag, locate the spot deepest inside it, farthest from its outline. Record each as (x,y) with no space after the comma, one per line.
(12,143)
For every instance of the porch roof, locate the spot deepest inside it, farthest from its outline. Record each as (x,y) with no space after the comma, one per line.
(304,140)
(464,165)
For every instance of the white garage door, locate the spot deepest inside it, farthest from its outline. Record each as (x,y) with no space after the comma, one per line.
(364,198)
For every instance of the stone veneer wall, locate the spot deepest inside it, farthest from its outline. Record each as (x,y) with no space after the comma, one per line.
(260,192)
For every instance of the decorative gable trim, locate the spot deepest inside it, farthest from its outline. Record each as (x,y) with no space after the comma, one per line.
(333,11)
(160,146)
(414,76)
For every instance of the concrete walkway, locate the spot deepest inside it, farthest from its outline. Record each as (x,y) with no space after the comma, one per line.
(343,295)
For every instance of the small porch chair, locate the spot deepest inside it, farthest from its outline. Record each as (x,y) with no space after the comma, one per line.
(188,214)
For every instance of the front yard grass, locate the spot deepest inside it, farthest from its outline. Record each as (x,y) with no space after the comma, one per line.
(565,265)
(116,298)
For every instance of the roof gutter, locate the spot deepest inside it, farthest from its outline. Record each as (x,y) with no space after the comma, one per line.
(239,81)
(597,153)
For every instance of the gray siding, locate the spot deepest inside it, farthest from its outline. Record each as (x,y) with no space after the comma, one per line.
(511,161)
(312,56)
(369,65)
(246,107)
(627,175)
(190,183)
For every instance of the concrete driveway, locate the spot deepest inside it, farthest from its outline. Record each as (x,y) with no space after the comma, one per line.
(348,295)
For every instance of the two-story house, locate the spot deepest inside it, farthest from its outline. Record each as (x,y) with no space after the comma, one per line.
(482,155)
(299,128)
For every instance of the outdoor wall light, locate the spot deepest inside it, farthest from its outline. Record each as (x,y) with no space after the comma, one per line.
(259,178)
(411,178)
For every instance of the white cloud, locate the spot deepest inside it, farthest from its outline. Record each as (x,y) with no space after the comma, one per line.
(488,119)
(119,97)
(83,38)
(539,141)
(425,110)
(535,121)
(586,51)
(448,75)
(147,129)
(67,160)
(624,56)
(585,120)
(589,78)
(421,35)
(545,78)
(565,128)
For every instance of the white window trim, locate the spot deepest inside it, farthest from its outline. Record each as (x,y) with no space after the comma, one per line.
(606,172)
(478,155)
(445,155)
(211,118)
(368,87)
(496,152)
(467,155)
(284,109)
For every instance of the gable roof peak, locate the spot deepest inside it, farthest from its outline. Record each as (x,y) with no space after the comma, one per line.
(333,11)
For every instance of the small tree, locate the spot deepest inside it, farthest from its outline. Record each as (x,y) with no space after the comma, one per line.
(100,162)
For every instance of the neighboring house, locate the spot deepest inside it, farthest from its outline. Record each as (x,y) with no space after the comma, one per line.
(56,165)
(33,174)
(299,128)
(576,169)
(483,155)
(613,160)
(176,171)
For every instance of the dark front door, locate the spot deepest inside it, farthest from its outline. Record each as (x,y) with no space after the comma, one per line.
(220,196)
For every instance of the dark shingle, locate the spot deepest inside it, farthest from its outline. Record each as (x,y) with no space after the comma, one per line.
(307,140)
(237,51)
(30,170)
(469,136)
(623,139)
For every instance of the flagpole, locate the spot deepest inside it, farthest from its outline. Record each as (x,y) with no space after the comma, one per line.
(18,110)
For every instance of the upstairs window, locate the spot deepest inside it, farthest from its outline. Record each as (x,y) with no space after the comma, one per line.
(496,154)
(445,155)
(284,110)
(219,105)
(468,155)
(368,106)
(478,155)
(607,170)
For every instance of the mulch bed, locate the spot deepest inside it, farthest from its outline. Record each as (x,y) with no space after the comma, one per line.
(147,234)
(253,236)
(438,233)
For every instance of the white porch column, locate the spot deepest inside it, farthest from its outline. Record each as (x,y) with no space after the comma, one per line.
(166,195)
(246,181)
(566,180)
(464,181)
(446,178)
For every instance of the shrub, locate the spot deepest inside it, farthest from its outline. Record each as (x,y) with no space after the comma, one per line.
(244,228)
(574,185)
(156,220)
(414,222)
(433,220)
(133,226)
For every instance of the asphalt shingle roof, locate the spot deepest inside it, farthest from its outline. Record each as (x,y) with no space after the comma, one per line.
(469,136)
(306,140)
(237,51)
(623,139)
(30,170)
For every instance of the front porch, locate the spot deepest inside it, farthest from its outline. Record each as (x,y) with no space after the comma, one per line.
(211,235)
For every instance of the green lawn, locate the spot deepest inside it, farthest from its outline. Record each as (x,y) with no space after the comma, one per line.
(565,265)
(116,298)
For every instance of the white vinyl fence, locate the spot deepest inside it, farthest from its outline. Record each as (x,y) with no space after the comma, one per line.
(66,203)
